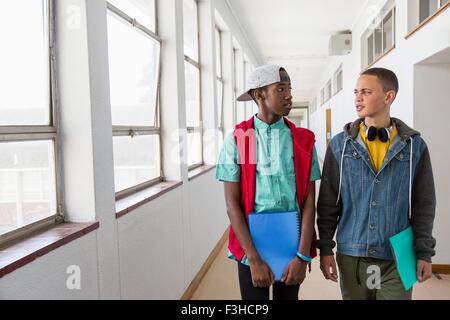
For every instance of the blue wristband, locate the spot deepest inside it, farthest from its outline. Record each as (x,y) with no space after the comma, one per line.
(304,258)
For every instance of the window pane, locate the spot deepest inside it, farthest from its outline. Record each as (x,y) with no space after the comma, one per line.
(136,160)
(424,9)
(314,105)
(194,146)
(246,70)
(248,104)
(247,110)
(378,43)
(299,116)
(235,69)
(434,5)
(240,112)
(133,73)
(250,109)
(24,63)
(218,55)
(443,2)
(388,32)
(255,109)
(190,23)
(370,57)
(339,81)
(220,103)
(235,87)
(141,10)
(327,91)
(27,183)
(192,75)
(427,8)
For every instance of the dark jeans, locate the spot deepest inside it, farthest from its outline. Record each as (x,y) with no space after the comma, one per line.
(249,292)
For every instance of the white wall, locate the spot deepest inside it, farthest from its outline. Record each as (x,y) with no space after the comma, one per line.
(45,278)
(155,251)
(431,117)
(208,217)
(151,250)
(161,251)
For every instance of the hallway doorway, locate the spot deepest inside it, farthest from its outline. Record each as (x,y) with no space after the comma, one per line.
(328,125)
(300,116)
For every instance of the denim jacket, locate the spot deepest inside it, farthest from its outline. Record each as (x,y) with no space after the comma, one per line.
(368,207)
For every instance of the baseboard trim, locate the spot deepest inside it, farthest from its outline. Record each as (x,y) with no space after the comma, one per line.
(204,269)
(441,268)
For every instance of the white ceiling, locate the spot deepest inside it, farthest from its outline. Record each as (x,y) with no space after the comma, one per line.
(295,35)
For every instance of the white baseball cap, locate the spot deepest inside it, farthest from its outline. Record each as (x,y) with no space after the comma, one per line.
(261,77)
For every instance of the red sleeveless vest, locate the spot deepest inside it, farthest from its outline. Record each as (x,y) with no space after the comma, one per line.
(303,142)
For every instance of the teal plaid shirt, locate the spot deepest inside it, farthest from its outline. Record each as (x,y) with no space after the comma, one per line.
(275,175)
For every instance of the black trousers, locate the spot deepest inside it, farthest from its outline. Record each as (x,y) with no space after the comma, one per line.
(249,292)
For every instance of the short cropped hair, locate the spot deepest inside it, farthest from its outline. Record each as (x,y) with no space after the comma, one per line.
(387,78)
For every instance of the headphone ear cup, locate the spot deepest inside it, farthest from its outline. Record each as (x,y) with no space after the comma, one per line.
(383,134)
(371,133)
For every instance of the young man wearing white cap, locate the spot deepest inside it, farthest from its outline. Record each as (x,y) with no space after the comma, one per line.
(274,172)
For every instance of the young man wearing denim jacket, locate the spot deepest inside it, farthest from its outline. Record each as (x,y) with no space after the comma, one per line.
(376,173)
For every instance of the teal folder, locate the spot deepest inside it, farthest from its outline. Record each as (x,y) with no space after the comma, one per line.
(405,257)
(276,237)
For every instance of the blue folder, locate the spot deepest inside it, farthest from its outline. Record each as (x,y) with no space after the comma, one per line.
(276,237)
(405,257)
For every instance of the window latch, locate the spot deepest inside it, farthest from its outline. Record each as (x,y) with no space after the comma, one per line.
(133,133)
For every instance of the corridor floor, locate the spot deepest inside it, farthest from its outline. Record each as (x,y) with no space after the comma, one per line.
(221,283)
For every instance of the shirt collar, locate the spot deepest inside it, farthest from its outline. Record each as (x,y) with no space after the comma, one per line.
(260,125)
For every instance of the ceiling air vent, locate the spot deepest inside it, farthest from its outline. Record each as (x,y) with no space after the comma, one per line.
(340,44)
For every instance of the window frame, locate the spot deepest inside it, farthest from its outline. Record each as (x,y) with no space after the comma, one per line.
(372,33)
(336,88)
(378,36)
(50,132)
(235,85)
(394,38)
(221,124)
(372,59)
(439,5)
(414,24)
(314,105)
(328,91)
(248,105)
(196,64)
(131,131)
(253,104)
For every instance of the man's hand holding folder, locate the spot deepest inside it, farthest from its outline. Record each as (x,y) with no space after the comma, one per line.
(276,237)
(262,275)
(424,270)
(295,272)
